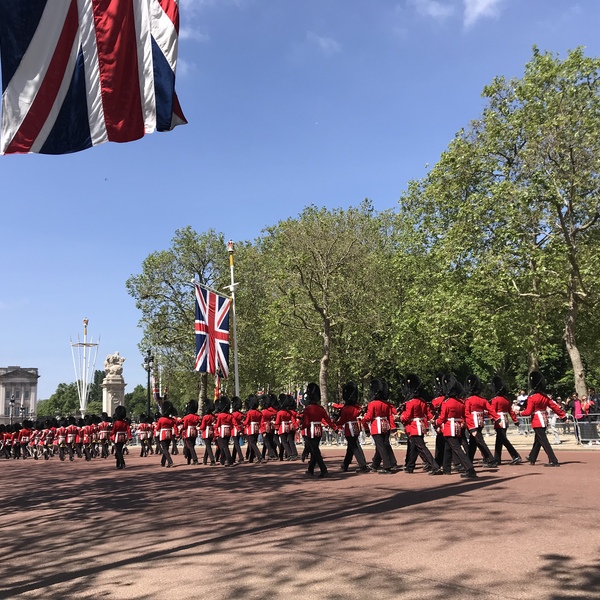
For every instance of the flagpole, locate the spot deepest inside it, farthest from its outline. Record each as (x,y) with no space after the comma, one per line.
(230,249)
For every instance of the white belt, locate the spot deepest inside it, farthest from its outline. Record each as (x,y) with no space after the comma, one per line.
(314,427)
(353,428)
(453,424)
(418,421)
(503,420)
(476,417)
(542,416)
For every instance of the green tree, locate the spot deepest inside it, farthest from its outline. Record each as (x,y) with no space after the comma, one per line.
(64,401)
(327,293)
(164,293)
(510,213)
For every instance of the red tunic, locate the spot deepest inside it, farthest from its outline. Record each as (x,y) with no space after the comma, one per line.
(283,422)
(252,422)
(312,420)
(165,427)
(238,422)
(224,424)
(476,409)
(416,416)
(268,417)
(452,417)
(349,419)
(24,436)
(120,432)
(191,423)
(379,416)
(536,409)
(207,427)
(503,408)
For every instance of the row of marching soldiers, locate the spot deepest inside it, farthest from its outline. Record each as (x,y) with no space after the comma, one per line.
(457,413)
(67,437)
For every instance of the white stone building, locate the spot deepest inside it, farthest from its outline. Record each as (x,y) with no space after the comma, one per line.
(18,393)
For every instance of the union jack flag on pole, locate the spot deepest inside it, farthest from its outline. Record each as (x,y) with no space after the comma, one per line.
(212,331)
(77,73)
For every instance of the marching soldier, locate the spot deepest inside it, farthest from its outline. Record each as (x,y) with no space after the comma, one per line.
(415,418)
(536,407)
(350,420)
(503,408)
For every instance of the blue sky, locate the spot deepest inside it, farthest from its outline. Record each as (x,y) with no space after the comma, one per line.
(289,103)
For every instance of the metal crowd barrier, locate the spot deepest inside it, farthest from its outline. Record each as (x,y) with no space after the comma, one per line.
(586,429)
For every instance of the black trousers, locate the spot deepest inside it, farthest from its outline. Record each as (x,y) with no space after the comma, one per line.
(417,447)
(225,456)
(503,442)
(316,458)
(476,441)
(145,445)
(119,454)
(253,450)
(269,446)
(384,455)
(208,452)
(104,453)
(237,450)
(354,449)
(190,446)
(284,440)
(541,441)
(454,450)
(166,456)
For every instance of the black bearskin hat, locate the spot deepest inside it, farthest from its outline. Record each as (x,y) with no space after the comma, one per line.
(472,385)
(379,389)
(412,386)
(537,381)
(222,404)
(437,384)
(499,385)
(313,393)
(252,402)
(236,403)
(142,418)
(282,401)
(208,407)
(350,393)
(192,407)
(120,413)
(166,408)
(451,387)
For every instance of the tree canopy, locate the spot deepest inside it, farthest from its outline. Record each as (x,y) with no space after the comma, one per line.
(488,265)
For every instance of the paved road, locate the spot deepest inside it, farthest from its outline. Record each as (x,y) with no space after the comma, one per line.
(86,530)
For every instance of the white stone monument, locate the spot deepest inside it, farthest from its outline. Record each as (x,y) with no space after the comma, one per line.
(113,385)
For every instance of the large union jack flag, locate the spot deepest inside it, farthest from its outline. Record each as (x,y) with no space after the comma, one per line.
(212,331)
(77,73)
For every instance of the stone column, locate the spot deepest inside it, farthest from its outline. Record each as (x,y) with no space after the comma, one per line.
(113,385)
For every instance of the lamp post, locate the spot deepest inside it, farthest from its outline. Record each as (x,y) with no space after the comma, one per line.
(232,287)
(148,365)
(12,408)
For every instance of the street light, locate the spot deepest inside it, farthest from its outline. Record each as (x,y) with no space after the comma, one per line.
(148,365)
(12,408)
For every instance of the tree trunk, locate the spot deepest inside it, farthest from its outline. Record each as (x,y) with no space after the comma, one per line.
(202,387)
(324,367)
(572,349)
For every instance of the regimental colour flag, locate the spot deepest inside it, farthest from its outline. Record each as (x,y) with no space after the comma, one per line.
(77,73)
(212,331)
